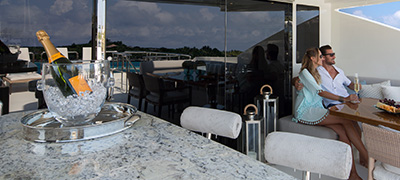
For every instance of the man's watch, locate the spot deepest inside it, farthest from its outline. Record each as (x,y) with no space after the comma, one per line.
(341,99)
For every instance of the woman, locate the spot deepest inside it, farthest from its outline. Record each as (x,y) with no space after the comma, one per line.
(251,81)
(310,110)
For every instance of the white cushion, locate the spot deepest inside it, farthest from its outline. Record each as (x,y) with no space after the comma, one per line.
(207,120)
(373,90)
(381,173)
(307,153)
(23,75)
(391,168)
(391,92)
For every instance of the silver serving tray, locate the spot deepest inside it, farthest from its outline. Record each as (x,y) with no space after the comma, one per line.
(40,126)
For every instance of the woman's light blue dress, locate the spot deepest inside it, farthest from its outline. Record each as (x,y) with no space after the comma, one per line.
(308,106)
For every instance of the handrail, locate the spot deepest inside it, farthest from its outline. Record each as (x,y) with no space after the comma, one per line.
(123,61)
(74,52)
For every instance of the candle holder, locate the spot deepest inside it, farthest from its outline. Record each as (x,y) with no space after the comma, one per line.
(253,133)
(268,108)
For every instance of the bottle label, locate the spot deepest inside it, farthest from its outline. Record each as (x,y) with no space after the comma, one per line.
(55,57)
(79,84)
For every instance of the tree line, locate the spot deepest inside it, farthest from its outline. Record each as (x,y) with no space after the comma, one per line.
(121,47)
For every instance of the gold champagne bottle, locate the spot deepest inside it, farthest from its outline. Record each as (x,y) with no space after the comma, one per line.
(67,79)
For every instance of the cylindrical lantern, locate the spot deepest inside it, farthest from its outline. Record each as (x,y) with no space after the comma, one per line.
(268,108)
(253,133)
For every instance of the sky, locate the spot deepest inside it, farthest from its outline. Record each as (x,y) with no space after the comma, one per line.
(149,24)
(388,13)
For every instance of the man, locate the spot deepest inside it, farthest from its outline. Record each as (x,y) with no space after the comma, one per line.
(334,81)
(274,75)
(333,78)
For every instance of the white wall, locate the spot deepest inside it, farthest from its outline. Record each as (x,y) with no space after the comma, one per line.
(368,48)
(365,47)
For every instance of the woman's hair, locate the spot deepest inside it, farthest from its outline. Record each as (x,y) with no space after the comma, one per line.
(257,56)
(308,64)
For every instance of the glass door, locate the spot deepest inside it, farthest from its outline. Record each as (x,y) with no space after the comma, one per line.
(259,42)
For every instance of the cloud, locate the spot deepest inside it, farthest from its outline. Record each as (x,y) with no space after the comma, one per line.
(397,14)
(360,13)
(4,2)
(132,10)
(61,6)
(136,24)
(150,8)
(256,16)
(164,17)
(392,20)
(206,14)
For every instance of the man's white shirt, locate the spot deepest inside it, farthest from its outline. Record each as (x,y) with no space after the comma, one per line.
(335,86)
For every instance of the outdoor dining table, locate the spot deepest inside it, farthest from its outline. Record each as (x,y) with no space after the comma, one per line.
(192,78)
(151,149)
(211,82)
(366,112)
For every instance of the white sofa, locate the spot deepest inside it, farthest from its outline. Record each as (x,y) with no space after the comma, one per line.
(372,88)
(161,66)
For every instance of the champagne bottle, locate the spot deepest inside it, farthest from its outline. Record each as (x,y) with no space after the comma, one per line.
(67,79)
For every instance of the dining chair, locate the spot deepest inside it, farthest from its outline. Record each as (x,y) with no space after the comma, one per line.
(382,145)
(136,88)
(309,154)
(212,121)
(86,53)
(24,54)
(64,51)
(160,94)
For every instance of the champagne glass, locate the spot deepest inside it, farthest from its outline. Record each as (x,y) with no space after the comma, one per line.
(356,84)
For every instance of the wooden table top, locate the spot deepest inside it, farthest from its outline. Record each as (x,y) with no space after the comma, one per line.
(366,112)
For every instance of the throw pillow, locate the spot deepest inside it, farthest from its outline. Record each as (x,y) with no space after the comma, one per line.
(391,92)
(373,90)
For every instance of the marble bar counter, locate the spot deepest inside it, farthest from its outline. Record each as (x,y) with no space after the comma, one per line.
(151,149)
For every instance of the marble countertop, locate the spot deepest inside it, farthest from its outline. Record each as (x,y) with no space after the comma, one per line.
(151,149)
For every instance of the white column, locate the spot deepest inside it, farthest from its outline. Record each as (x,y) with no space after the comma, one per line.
(101,29)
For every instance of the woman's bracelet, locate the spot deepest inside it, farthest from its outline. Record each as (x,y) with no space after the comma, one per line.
(341,99)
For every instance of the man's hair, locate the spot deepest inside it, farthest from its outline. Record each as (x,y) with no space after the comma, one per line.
(324,48)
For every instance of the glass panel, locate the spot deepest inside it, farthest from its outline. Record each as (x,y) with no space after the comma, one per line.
(181,28)
(253,139)
(307,29)
(259,28)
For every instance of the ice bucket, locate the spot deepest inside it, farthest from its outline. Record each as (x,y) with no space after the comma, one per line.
(82,106)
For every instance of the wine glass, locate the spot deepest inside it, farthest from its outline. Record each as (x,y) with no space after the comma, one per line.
(356,87)
(356,84)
